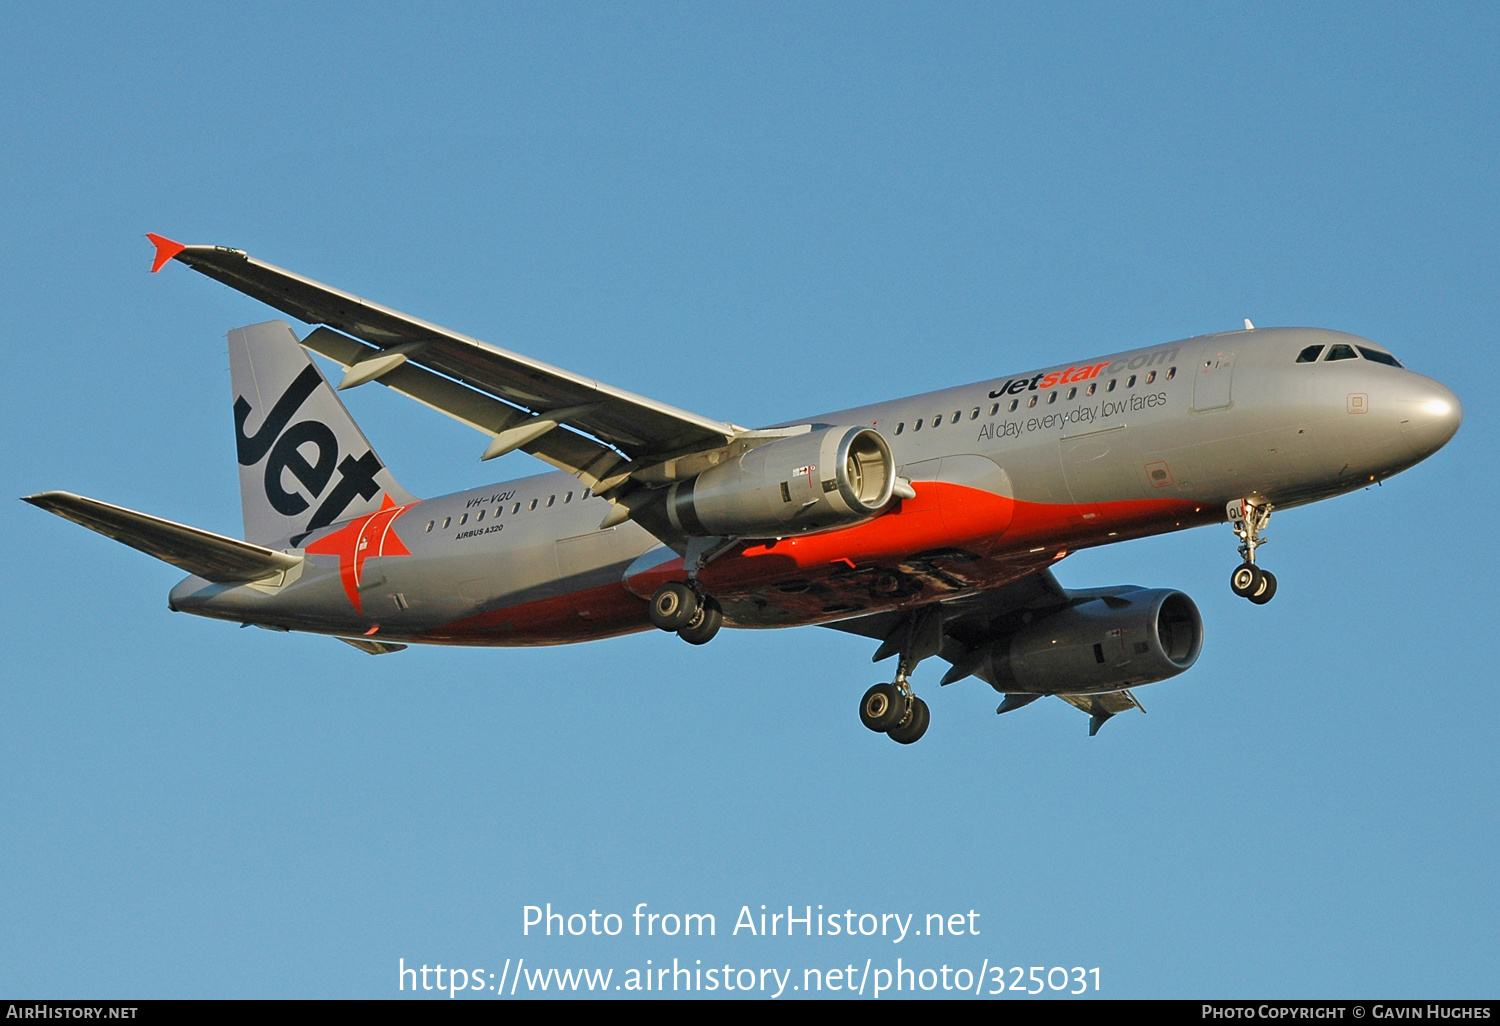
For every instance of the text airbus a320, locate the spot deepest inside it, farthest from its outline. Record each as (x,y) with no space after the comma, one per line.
(928,524)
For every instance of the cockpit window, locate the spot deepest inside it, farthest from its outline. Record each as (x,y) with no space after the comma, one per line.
(1309,355)
(1379,357)
(1340,352)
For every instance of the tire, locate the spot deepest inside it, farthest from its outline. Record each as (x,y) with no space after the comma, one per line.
(673,607)
(1246,579)
(703,627)
(1267,589)
(882,708)
(912,730)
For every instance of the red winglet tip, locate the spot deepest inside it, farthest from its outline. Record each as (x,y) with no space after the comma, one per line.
(166,249)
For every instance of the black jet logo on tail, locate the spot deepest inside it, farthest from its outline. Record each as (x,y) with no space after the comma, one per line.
(356,476)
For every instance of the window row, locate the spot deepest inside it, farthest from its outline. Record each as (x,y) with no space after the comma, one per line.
(515,508)
(1072,393)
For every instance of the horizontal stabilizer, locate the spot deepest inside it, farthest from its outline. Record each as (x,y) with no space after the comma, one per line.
(210,556)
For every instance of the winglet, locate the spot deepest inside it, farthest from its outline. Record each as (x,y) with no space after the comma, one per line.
(166,249)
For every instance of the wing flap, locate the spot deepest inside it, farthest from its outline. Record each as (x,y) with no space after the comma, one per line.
(1102,707)
(561,448)
(634,424)
(213,557)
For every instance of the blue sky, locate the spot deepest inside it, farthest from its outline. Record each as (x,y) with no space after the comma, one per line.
(755,212)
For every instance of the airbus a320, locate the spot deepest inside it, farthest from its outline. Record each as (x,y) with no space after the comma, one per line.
(928,524)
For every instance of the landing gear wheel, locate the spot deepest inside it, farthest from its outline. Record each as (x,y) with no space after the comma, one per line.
(1246,580)
(882,708)
(704,624)
(915,725)
(1267,589)
(673,606)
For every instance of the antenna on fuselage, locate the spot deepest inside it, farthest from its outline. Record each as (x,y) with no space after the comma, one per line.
(1248,325)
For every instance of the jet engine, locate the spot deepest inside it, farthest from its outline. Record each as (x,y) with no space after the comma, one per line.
(830,477)
(1102,643)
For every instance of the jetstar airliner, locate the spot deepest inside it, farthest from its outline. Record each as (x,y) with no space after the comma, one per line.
(929,524)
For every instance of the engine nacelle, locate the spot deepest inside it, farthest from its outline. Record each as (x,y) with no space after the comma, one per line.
(831,477)
(1103,644)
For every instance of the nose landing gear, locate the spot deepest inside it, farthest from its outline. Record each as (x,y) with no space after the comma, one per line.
(1249,518)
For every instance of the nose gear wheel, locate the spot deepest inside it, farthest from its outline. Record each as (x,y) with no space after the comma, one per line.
(1249,518)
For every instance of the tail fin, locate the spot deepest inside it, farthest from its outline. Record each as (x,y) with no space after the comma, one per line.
(304,463)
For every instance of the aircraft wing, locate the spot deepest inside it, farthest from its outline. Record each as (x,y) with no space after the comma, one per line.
(958,630)
(213,557)
(643,430)
(578,454)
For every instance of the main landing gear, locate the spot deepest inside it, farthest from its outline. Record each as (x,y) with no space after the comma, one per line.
(1249,581)
(893,710)
(693,617)
(682,608)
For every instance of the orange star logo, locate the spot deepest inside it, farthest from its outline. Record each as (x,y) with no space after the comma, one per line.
(357,541)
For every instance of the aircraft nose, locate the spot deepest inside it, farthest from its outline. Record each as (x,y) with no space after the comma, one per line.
(1430,415)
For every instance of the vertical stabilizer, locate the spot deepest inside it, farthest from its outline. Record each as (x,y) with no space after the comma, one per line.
(304,463)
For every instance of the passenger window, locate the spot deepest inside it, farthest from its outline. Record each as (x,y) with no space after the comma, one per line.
(1309,355)
(429,525)
(1111,387)
(1340,352)
(463,520)
(532,506)
(1171,373)
(900,427)
(958,415)
(567,498)
(551,499)
(1379,357)
(1031,402)
(994,409)
(918,425)
(975,414)
(1052,397)
(1092,387)
(937,421)
(1150,377)
(1072,392)
(1013,404)
(516,508)
(586,492)
(1131,382)
(480,517)
(446,522)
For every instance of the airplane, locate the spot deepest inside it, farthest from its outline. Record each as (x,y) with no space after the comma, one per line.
(928,524)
